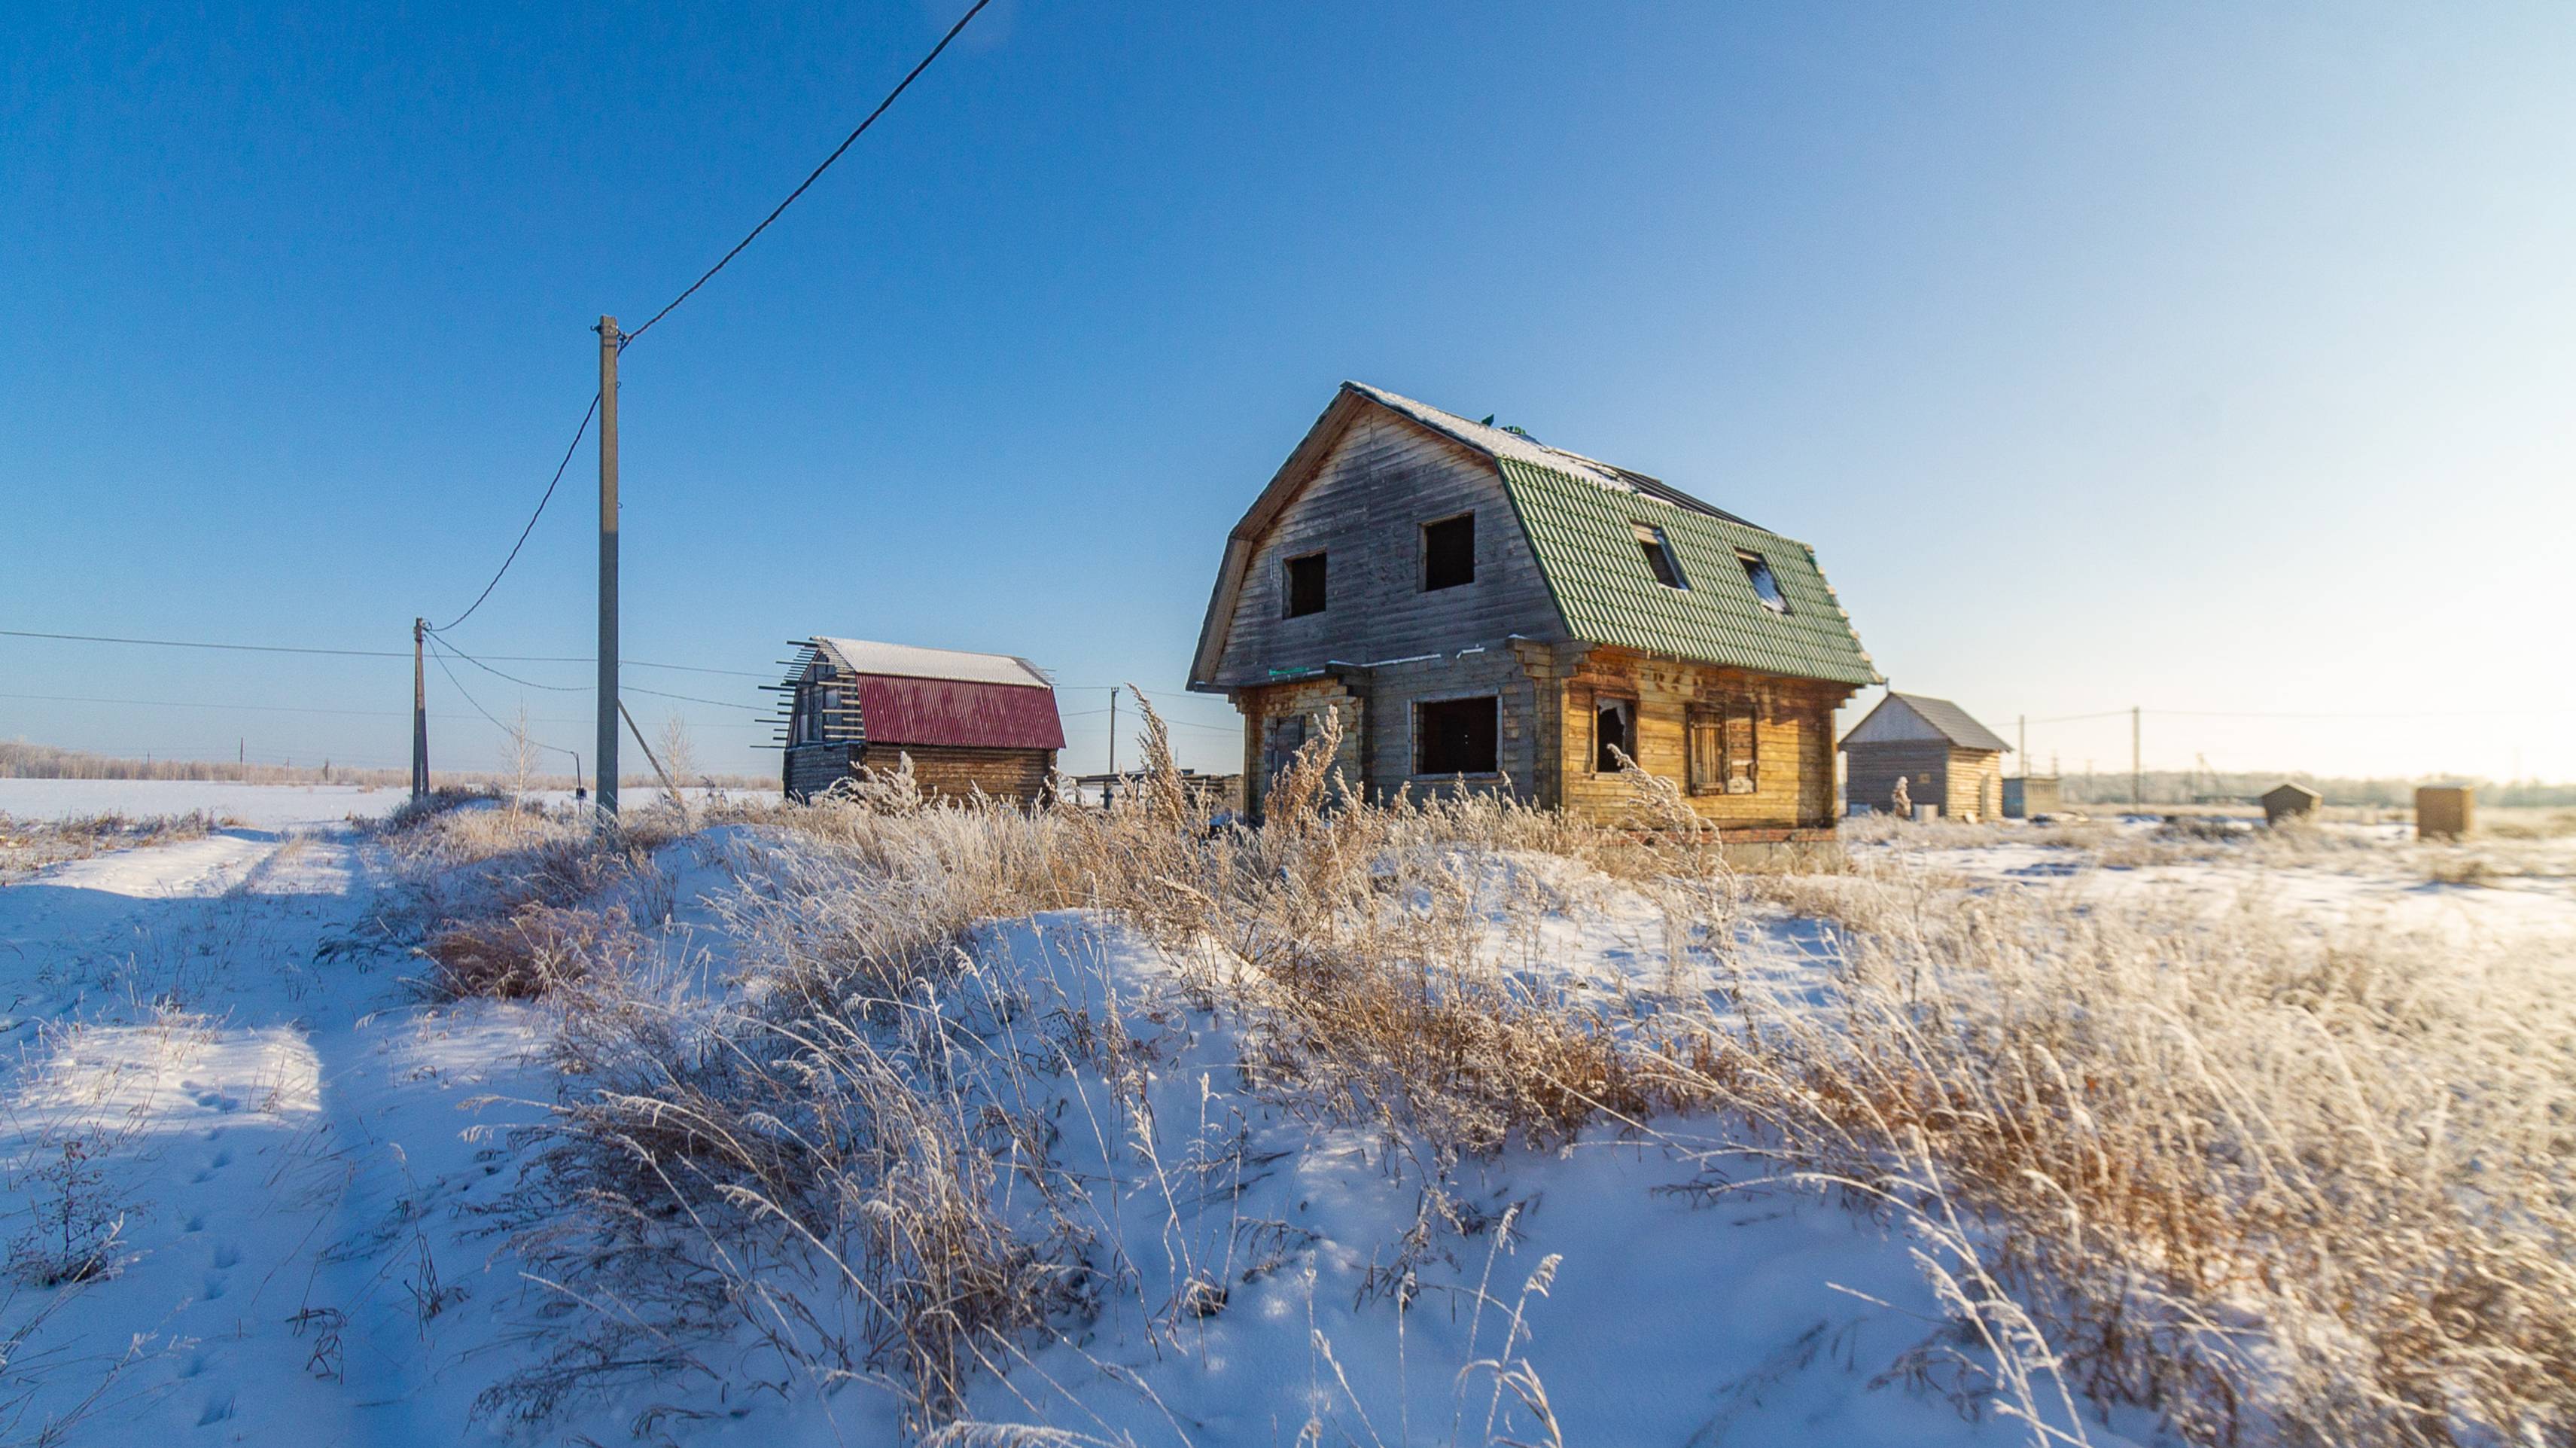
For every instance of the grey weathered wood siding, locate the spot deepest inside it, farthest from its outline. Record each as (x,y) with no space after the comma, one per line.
(1378,484)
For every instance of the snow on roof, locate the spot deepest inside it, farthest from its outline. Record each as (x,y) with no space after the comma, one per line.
(906,661)
(1504,443)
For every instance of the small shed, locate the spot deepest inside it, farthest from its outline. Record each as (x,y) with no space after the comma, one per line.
(1947,759)
(968,722)
(2286,801)
(2444,810)
(2031,795)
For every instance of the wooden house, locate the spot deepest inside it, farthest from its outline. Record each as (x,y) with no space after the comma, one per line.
(1487,613)
(968,722)
(1947,759)
(2289,801)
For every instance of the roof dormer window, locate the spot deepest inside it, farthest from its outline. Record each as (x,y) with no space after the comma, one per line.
(1659,556)
(1757,571)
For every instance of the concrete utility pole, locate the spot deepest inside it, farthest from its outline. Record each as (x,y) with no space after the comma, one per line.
(606,737)
(419,715)
(2137,773)
(1109,787)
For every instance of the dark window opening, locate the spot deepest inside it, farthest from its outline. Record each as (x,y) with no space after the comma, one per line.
(1456,736)
(1765,587)
(1614,734)
(1449,553)
(1306,585)
(1659,557)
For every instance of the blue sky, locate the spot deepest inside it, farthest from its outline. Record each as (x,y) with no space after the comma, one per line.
(2212,358)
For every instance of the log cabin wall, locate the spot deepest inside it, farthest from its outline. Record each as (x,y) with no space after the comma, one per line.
(955,772)
(1975,785)
(1376,487)
(1791,726)
(1924,764)
(941,771)
(1396,691)
(1300,706)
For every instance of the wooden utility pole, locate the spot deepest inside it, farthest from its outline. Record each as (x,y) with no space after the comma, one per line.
(419,715)
(2021,749)
(605,740)
(2137,773)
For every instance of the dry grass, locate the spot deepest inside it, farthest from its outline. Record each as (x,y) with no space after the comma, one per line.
(27,846)
(2276,1185)
(2282,1187)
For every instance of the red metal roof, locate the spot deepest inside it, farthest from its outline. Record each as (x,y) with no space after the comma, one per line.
(896,710)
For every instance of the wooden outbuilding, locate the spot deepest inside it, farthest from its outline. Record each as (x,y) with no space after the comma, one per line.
(1947,759)
(2028,796)
(968,722)
(2444,811)
(2286,801)
(1483,612)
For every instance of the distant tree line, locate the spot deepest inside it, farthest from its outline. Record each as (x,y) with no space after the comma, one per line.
(21,760)
(2184,786)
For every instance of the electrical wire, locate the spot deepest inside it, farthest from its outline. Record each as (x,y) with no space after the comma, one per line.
(578,433)
(369,653)
(694,699)
(815,175)
(487,714)
(441,645)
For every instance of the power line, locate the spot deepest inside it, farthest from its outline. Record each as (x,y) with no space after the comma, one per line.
(694,699)
(578,433)
(368,653)
(487,714)
(812,177)
(444,646)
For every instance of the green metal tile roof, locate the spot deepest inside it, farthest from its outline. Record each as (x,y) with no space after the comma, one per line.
(1586,541)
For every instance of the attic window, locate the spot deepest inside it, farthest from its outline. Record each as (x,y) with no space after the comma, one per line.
(1659,556)
(1765,587)
(1449,552)
(1305,585)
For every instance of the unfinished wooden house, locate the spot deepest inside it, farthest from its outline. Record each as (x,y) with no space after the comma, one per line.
(968,722)
(1484,612)
(1947,760)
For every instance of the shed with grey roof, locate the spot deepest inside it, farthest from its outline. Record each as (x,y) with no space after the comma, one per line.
(1946,758)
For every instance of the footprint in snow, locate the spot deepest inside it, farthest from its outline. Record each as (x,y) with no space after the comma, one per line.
(216,1411)
(214,1287)
(214,1100)
(227,1256)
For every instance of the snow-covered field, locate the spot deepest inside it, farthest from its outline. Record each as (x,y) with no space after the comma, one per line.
(263,806)
(256,1191)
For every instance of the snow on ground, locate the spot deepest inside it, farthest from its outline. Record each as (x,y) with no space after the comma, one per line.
(273,1168)
(2377,875)
(266,806)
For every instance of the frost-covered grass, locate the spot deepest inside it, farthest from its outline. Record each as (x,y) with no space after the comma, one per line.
(28,845)
(2271,1182)
(1442,1123)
